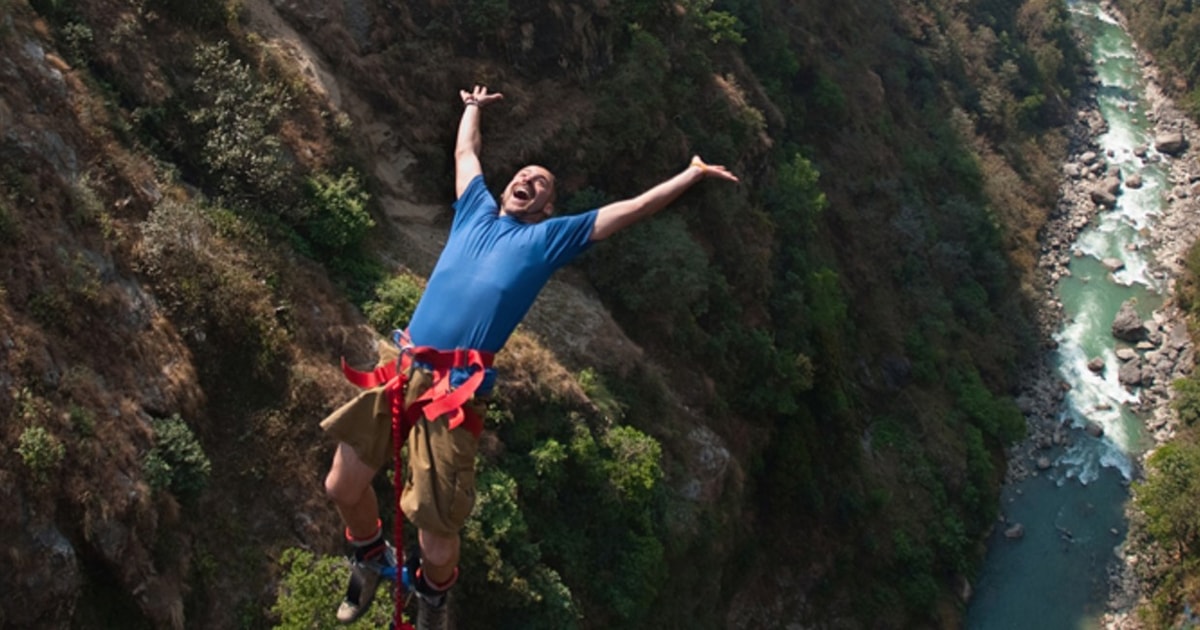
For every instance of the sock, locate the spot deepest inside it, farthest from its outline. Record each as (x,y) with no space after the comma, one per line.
(435,594)
(369,546)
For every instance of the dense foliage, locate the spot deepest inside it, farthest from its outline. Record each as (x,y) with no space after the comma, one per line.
(1165,520)
(1171,30)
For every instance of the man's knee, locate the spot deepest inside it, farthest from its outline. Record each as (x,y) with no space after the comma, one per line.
(438,549)
(348,477)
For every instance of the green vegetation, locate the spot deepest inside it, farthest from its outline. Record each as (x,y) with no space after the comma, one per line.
(304,589)
(235,118)
(395,300)
(336,211)
(176,463)
(1171,31)
(1168,500)
(41,452)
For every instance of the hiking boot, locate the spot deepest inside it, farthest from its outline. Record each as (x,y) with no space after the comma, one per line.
(433,612)
(364,579)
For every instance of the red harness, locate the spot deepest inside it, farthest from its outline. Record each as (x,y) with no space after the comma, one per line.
(442,398)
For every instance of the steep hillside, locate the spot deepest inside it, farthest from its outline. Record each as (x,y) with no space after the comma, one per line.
(784,402)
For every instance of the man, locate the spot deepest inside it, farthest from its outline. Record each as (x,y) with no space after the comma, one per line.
(498,257)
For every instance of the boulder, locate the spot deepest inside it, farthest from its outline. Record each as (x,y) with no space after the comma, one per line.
(1015,531)
(1103,198)
(1113,264)
(1096,365)
(1170,142)
(1093,429)
(1130,373)
(1133,182)
(1127,325)
(1112,185)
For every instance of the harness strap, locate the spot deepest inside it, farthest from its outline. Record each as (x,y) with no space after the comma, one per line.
(367,380)
(442,398)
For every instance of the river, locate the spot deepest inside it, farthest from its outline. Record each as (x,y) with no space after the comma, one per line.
(1055,576)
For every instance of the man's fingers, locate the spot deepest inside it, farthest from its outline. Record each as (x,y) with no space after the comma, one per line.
(722,172)
(481,95)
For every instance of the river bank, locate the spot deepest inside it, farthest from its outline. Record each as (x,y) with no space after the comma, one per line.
(1092,185)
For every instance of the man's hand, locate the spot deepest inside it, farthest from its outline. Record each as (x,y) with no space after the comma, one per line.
(479,96)
(713,170)
(616,216)
(466,146)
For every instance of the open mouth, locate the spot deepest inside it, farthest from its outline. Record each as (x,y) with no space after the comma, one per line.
(522,194)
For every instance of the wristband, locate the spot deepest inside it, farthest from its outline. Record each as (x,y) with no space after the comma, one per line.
(471,101)
(698,163)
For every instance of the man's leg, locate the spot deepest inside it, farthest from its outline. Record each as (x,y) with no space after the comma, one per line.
(438,572)
(348,485)
(439,557)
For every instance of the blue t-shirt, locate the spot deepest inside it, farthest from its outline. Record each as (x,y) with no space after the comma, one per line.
(490,272)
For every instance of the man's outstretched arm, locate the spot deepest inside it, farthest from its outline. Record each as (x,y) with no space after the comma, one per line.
(621,214)
(466,147)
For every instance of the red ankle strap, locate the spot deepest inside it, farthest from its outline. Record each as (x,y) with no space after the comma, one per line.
(445,586)
(369,539)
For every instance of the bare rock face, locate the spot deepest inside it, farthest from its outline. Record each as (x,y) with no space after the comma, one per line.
(1127,325)
(41,570)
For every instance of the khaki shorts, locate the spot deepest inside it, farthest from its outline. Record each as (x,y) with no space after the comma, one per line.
(439,487)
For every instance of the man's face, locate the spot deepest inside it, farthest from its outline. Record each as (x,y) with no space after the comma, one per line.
(529,197)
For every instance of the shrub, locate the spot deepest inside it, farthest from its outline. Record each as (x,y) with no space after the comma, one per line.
(611,408)
(77,38)
(83,421)
(998,417)
(337,216)
(1187,400)
(303,599)
(235,116)
(634,466)
(176,462)
(41,452)
(1170,495)
(516,585)
(396,299)
(796,200)
(654,259)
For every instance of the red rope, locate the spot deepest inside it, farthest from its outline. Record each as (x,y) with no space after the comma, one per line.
(441,399)
(400,429)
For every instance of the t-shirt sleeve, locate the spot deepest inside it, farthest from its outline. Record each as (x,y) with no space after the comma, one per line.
(474,200)
(569,236)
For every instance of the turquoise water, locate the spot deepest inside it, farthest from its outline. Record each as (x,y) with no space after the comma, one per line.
(1055,576)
